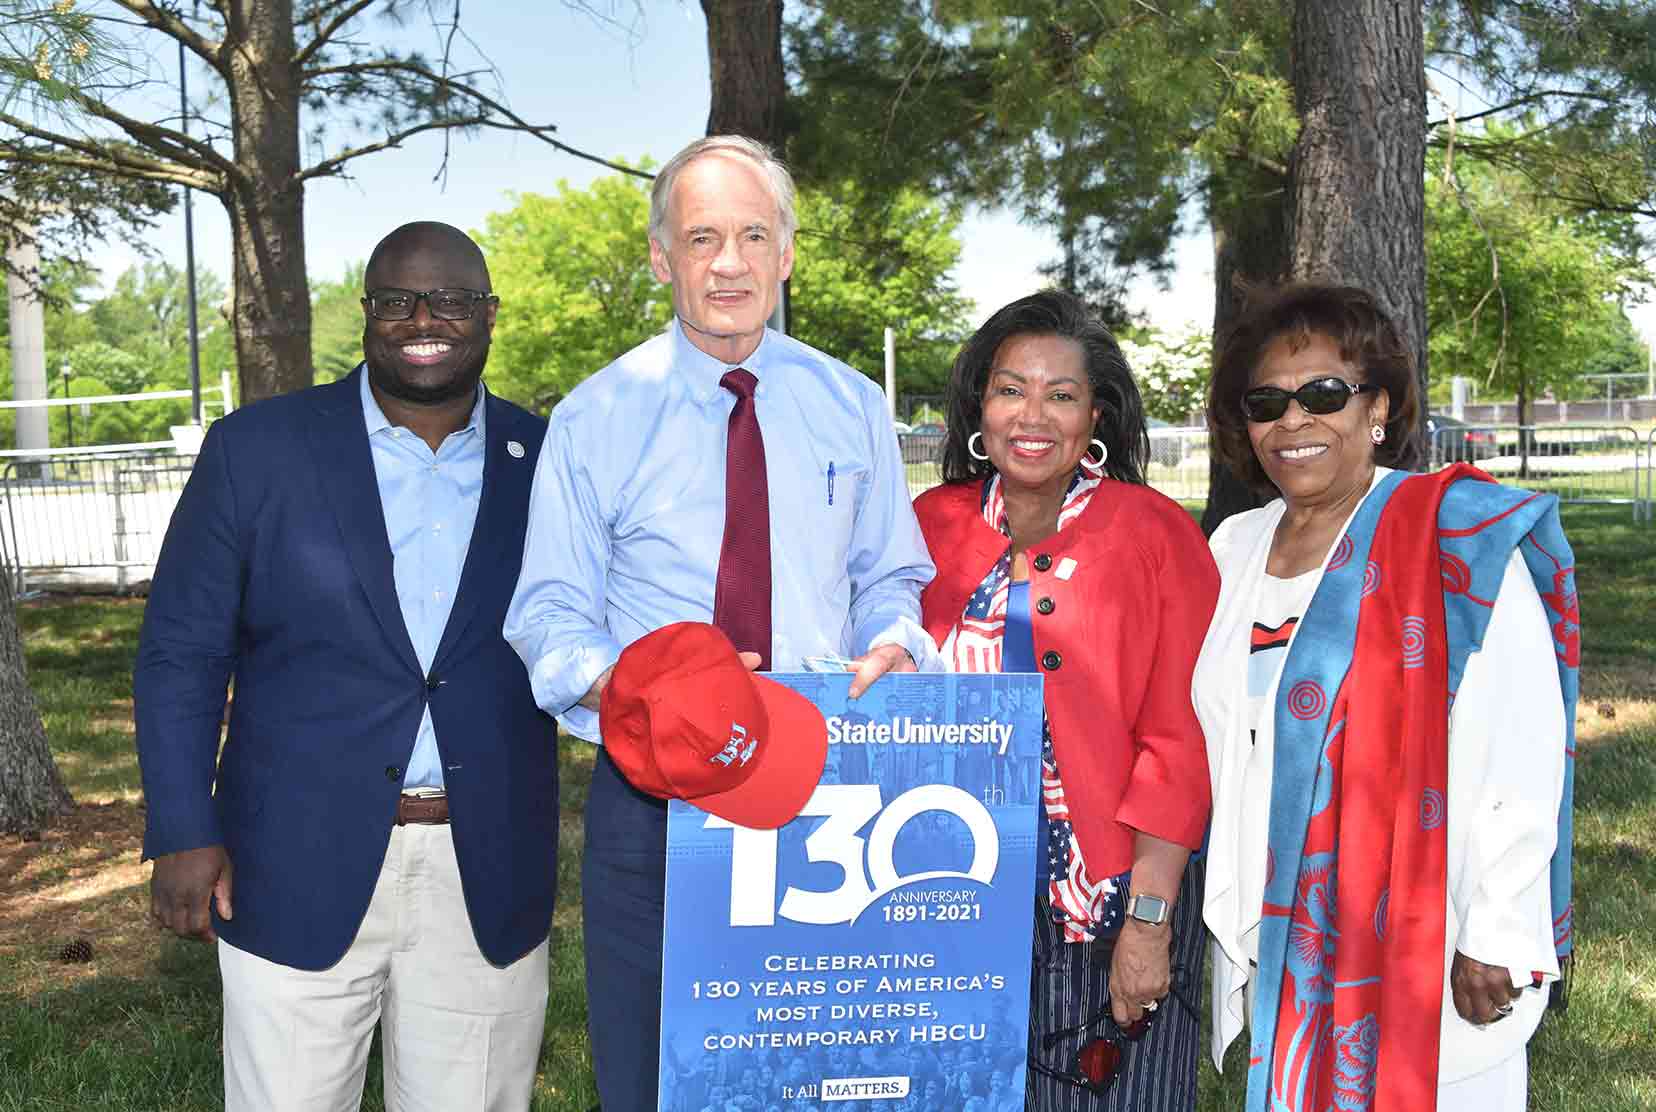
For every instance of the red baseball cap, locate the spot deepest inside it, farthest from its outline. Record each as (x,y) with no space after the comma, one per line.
(683,719)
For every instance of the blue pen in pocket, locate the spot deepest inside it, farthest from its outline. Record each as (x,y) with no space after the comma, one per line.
(830,482)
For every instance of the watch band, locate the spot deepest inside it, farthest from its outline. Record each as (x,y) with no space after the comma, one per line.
(1151,910)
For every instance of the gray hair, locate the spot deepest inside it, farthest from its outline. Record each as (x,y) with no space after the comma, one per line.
(776,176)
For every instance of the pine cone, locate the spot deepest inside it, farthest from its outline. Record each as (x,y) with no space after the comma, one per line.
(80,950)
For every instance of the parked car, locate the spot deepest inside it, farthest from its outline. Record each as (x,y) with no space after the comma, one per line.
(921,444)
(1453,441)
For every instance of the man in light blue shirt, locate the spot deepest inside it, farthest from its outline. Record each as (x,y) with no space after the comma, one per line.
(628,513)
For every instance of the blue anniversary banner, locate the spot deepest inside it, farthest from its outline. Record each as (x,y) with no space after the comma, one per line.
(876,948)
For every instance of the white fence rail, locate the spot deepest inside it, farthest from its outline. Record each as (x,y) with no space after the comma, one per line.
(1595,464)
(74,521)
(1178,461)
(87,522)
(1589,464)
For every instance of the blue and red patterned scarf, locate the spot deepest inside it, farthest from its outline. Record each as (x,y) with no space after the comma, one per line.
(1351,942)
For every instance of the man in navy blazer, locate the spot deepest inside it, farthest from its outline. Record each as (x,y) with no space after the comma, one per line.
(377,842)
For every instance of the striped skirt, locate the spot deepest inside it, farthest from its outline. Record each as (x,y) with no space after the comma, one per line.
(1070,984)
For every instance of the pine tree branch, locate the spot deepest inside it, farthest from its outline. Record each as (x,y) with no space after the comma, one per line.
(1258,161)
(182,148)
(332,167)
(1525,100)
(325,35)
(174,25)
(494,113)
(117,161)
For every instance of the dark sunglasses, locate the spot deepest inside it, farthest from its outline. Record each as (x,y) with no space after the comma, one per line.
(1098,1061)
(1321,396)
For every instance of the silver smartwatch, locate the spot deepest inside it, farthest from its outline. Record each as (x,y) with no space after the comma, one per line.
(1147,909)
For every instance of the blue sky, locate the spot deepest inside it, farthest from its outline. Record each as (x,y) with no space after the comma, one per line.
(616,91)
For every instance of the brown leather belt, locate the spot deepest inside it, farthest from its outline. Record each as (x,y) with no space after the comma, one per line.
(423,810)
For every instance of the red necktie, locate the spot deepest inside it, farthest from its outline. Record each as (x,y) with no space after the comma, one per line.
(742,602)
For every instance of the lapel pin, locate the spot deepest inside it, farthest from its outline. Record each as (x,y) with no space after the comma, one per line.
(514,449)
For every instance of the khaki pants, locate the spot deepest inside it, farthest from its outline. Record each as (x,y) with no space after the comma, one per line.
(458,1033)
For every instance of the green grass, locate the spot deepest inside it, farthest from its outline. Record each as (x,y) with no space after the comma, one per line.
(150,1041)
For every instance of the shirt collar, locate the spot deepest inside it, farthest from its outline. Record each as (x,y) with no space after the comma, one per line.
(378,422)
(704,372)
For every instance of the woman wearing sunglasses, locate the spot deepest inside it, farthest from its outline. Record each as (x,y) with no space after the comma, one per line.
(1387,691)
(1054,557)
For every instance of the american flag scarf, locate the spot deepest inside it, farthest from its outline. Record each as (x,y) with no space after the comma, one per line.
(1082,906)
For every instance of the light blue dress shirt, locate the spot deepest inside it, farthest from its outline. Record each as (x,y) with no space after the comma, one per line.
(626,516)
(430,503)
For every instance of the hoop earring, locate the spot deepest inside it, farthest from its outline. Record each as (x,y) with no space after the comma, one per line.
(1103,457)
(1377,433)
(973,452)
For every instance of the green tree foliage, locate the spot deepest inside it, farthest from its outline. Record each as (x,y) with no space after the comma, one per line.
(854,278)
(1618,352)
(1103,121)
(1114,120)
(1172,371)
(336,323)
(1522,291)
(134,339)
(1574,85)
(572,271)
(300,89)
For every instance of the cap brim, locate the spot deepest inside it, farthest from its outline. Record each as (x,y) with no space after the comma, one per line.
(787,769)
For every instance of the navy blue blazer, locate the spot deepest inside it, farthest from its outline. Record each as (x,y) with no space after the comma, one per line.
(276,573)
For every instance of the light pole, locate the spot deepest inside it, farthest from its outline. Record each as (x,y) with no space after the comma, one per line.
(68,410)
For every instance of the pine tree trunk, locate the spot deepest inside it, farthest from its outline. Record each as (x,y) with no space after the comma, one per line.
(1357,175)
(271,315)
(31,790)
(1250,240)
(744,51)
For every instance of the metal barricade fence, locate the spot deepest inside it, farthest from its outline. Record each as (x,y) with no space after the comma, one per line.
(1645,511)
(1590,464)
(87,522)
(1178,461)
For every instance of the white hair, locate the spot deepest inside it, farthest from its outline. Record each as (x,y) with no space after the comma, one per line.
(777,180)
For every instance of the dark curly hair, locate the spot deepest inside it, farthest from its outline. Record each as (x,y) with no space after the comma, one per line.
(1368,339)
(1051,312)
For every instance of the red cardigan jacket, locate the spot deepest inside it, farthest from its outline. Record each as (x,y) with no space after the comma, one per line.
(1120,601)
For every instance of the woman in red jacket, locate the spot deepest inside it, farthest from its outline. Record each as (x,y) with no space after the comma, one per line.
(1054,557)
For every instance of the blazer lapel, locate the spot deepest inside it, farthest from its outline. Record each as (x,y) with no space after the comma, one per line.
(499,525)
(346,466)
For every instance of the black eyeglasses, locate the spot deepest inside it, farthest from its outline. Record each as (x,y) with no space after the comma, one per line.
(1321,396)
(456,304)
(1098,1060)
